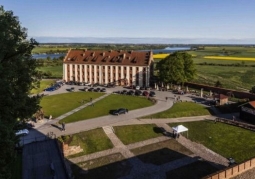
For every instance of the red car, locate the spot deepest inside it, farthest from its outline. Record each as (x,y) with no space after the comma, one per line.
(145,93)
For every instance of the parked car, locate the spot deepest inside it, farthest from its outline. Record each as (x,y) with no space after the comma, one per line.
(152,94)
(142,88)
(116,92)
(137,87)
(131,92)
(22,132)
(50,89)
(145,93)
(138,93)
(120,111)
(103,90)
(85,89)
(72,89)
(124,92)
(90,89)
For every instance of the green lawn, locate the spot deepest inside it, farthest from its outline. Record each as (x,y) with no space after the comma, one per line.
(43,84)
(224,139)
(57,105)
(102,107)
(181,109)
(90,141)
(57,71)
(136,133)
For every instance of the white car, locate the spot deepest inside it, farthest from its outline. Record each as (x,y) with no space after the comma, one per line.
(137,87)
(22,132)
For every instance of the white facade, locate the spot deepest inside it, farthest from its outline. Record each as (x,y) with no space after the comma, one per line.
(103,74)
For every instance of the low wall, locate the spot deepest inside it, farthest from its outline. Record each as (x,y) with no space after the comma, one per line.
(237,94)
(233,171)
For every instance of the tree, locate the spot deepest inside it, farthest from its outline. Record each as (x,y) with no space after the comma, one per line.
(218,84)
(18,76)
(252,89)
(176,68)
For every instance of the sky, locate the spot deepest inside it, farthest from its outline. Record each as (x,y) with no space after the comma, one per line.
(159,21)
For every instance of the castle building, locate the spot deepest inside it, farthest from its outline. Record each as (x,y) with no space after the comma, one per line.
(120,67)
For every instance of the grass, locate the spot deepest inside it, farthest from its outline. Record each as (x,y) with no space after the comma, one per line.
(136,133)
(224,139)
(111,166)
(198,169)
(103,107)
(181,109)
(90,141)
(231,77)
(43,84)
(161,152)
(57,71)
(57,105)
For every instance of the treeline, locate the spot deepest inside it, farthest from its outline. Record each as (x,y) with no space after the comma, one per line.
(242,64)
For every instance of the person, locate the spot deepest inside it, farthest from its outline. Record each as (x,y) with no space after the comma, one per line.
(63,126)
(50,117)
(166,98)
(233,118)
(127,110)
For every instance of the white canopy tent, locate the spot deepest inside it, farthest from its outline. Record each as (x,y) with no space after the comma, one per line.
(180,128)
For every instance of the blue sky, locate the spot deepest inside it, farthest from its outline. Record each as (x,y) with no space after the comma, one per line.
(192,20)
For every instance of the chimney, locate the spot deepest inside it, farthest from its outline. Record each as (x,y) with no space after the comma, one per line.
(124,55)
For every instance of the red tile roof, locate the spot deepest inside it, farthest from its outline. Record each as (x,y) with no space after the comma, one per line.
(120,57)
(252,103)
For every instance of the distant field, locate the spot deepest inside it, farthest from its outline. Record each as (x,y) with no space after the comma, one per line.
(53,49)
(160,56)
(230,58)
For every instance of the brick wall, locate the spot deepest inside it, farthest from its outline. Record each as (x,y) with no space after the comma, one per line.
(237,94)
(233,171)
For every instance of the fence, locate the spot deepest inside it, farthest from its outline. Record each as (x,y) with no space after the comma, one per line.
(233,171)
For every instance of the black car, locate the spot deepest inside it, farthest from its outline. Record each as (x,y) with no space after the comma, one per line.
(138,93)
(103,90)
(131,92)
(152,94)
(90,89)
(124,92)
(120,111)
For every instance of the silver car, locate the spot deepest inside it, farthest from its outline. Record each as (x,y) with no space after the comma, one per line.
(22,132)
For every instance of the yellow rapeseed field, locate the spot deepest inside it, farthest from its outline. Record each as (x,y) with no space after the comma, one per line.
(229,58)
(160,56)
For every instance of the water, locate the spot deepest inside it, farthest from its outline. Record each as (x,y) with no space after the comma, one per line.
(170,50)
(44,56)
